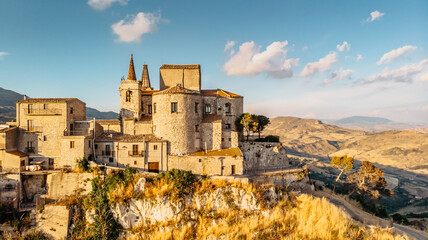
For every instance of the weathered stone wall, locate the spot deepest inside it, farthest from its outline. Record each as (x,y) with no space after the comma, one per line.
(177,127)
(9,189)
(70,155)
(33,186)
(143,127)
(207,165)
(132,108)
(60,185)
(54,221)
(146,101)
(261,156)
(129,126)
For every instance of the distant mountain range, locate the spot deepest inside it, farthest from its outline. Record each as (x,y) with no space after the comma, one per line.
(376,124)
(8,100)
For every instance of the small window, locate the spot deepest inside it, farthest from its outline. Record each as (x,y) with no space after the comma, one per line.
(30,108)
(135,162)
(110,159)
(196,107)
(45,106)
(174,107)
(45,138)
(71,110)
(128,96)
(233,170)
(30,125)
(142,106)
(71,144)
(96,146)
(222,139)
(227,126)
(200,160)
(149,109)
(89,143)
(230,139)
(196,128)
(228,107)
(207,108)
(155,147)
(135,149)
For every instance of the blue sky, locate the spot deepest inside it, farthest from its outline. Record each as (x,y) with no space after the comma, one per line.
(311,59)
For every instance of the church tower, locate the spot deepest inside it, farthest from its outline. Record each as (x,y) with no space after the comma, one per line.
(145,79)
(130,94)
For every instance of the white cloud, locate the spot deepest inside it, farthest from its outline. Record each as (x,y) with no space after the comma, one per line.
(103,4)
(359,57)
(338,75)
(305,48)
(320,66)
(403,74)
(396,53)
(423,77)
(345,46)
(135,26)
(249,61)
(374,15)
(229,45)
(3,54)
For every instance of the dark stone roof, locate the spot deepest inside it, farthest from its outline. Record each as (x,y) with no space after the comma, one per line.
(177,89)
(171,66)
(48,100)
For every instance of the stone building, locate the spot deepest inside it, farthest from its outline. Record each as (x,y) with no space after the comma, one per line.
(178,126)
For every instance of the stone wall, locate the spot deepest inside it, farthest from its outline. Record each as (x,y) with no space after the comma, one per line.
(187,78)
(131,109)
(33,186)
(260,156)
(143,127)
(178,127)
(54,221)
(207,165)
(9,189)
(60,185)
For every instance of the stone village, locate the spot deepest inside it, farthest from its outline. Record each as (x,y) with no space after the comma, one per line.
(179,126)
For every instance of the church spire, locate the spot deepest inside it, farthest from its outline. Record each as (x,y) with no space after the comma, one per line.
(131,72)
(145,79)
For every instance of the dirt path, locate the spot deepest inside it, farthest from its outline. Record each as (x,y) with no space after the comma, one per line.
(368,219)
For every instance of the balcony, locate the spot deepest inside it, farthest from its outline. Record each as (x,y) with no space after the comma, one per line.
(136,153)
(33,129)
(108,153)
(42,112)
(30,150)
(78,132)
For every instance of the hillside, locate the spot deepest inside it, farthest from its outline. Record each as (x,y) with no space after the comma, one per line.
(8,100)
(309,136)
(375,124)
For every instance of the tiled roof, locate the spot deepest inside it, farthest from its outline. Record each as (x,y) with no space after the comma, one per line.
(171,66)
(48,100)
(208,118)
(220,93)
(6,128)
(148,92)
(223,152)
(131,71)
(117,137)
(177,89)
(17,153)
(108,121)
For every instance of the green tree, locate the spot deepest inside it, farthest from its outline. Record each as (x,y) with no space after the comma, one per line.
(262,122)
(343,163)
(369,179)
(83,164)
(248,123)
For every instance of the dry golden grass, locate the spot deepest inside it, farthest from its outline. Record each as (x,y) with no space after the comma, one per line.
(307,218)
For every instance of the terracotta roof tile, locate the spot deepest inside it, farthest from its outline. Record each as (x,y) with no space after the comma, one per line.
(17,153)
(50,100)
(177,89)
(220,93)
(148,92)
(171,66)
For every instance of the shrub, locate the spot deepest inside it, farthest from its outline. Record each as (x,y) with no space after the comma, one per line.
(83,164)
(400,219)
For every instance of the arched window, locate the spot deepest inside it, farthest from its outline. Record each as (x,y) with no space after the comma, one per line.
(128,96)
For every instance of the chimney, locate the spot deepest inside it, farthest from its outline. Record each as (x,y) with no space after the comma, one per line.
(25,97)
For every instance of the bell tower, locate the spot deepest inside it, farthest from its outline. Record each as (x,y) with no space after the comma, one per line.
(130,94)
